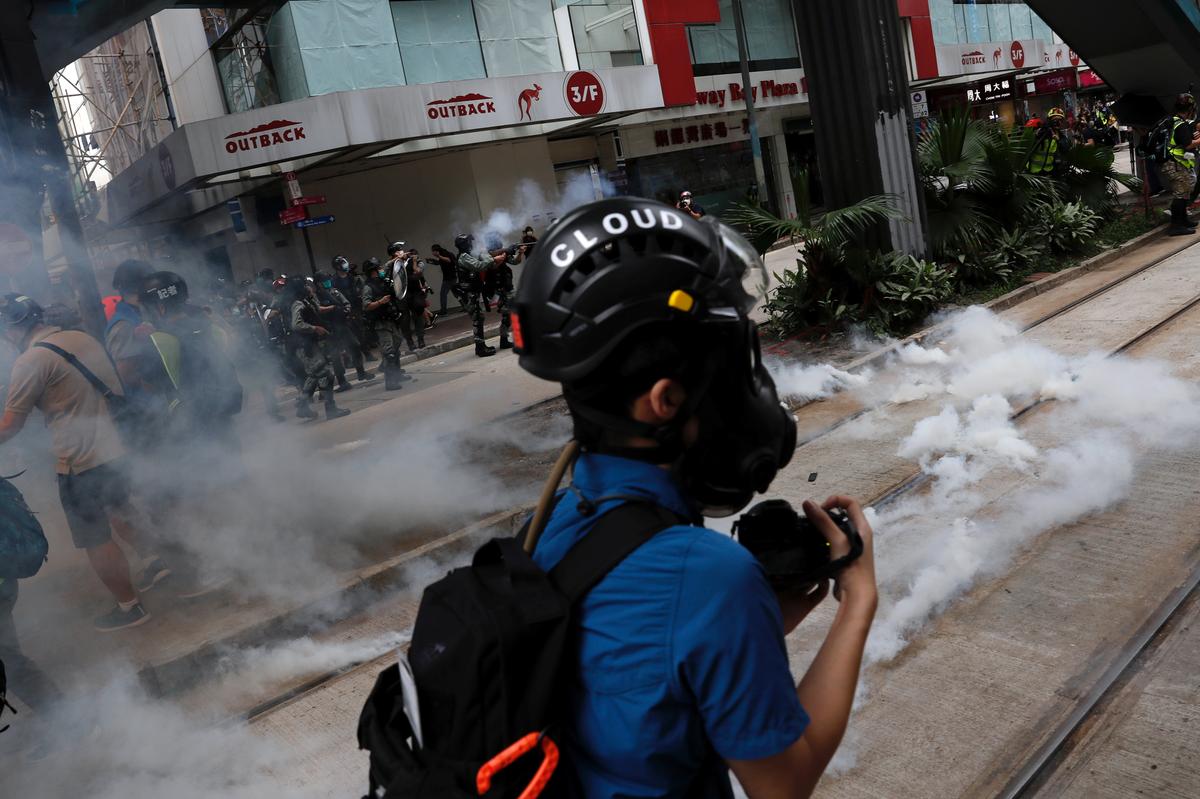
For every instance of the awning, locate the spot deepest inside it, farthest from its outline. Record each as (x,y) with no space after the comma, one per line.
(298,135)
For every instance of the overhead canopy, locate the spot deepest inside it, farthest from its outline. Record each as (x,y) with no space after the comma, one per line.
(1150,47)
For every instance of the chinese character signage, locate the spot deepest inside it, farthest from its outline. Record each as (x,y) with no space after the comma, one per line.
(991,91)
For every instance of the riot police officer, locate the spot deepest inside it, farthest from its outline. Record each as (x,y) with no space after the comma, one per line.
(499,282)
(471,273)
(398,272)
(342,342)
(347,280)
(382,309)
(311,332)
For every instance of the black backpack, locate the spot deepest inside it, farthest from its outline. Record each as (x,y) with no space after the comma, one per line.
(489,659)
(23,545)
(1158,143)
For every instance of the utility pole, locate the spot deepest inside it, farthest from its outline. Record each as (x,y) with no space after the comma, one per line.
(760,174)
(858,91)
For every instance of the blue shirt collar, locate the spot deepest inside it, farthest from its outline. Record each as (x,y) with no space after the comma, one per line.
(600,476)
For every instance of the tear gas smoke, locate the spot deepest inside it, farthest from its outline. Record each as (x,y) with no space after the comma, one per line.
(530,203)
(118,743)
(810,382)
(934,544)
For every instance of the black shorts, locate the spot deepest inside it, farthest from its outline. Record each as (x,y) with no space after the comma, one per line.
(88,498)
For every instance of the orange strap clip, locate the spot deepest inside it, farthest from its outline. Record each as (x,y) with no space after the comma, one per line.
(483,780)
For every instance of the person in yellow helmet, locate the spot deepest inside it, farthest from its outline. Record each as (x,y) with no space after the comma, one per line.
(1051,142)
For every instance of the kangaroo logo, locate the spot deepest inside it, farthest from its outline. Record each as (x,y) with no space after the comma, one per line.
(996,57)
(525,101)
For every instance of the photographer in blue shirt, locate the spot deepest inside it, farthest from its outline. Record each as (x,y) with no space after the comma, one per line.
(642,313)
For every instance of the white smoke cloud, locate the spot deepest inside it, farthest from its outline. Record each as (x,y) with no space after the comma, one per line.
(809,382)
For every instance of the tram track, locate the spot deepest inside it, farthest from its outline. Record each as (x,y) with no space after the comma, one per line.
(1037,769)
(906,486)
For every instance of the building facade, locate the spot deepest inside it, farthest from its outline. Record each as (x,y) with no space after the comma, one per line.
(305,130)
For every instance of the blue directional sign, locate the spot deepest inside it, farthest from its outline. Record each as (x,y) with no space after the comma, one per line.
(316,220)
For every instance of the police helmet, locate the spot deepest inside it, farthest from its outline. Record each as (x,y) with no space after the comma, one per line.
(167,289)
(341,264)
(1185,102)
(324,279)
(395,247)
(1055,113)
(463,242)
(17,310)
(279,284)
(130,276)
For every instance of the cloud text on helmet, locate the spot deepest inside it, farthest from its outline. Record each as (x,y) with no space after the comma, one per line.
(615,224)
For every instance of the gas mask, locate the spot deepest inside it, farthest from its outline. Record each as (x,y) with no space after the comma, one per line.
(327,284)
(746,435)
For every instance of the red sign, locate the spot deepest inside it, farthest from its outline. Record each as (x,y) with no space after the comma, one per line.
(464,105)
(1074,58)
(292,185)
(1054,82)
(1017,52)
(263,136)
(290,215)
(585,94)
(1088,78)
(317,199)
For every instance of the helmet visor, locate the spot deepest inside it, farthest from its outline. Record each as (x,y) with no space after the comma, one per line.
(743,264)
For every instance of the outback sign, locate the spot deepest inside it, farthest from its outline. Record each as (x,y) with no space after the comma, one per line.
(263,136)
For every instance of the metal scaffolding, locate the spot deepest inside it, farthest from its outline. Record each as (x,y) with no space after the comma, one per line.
(112,109)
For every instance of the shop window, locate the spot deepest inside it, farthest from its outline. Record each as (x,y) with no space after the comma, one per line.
(438,40)
(605,32)
(770,38)
(244,65)
(517,37)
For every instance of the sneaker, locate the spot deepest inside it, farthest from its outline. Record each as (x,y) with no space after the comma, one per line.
(117,619)
(154,573)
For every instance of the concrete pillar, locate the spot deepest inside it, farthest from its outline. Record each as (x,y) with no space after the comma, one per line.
(783,177)
(858,90)
(33,163)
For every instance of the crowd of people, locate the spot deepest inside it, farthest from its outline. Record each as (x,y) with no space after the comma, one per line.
(312,329)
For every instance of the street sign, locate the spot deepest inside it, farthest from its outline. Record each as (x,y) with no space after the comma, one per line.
(920,104)
(317,199)
(293,186)
(317,220)
(289,215)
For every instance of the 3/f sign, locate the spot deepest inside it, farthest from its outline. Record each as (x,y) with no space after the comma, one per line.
(585,94)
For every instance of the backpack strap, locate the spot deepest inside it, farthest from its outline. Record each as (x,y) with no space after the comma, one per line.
(613,538)
(96,382)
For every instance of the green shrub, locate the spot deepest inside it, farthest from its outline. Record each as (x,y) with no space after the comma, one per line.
(910,290)
(1065,227)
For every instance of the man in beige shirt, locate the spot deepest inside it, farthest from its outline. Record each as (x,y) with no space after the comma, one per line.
(92,480)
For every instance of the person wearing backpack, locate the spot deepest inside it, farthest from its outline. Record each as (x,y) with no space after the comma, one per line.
(59,372)
(641,652)
(1177,161)
(23,549)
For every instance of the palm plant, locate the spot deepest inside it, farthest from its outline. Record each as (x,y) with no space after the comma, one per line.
(822,237)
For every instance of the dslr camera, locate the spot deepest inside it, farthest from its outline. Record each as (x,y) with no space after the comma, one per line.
(790,548)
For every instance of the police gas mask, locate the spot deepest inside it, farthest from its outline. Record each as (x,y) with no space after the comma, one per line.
(746,434)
